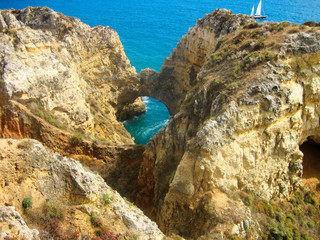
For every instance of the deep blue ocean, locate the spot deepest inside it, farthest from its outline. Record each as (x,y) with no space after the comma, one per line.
(150,29)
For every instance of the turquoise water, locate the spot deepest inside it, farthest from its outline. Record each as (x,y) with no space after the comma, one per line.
(144,126)
(150,29)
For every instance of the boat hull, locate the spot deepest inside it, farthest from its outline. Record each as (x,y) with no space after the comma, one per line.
(259,17)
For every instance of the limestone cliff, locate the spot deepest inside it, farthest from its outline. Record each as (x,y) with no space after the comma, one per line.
(68,85)
(73,76)
(244,102)
(179,71)
(61,198)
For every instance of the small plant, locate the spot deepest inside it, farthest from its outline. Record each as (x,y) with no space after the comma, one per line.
(73,236)
(247,198)
(77,138)
(105,234)
(53,211)
(26,203)
(305,236)
(208,208)
(95,220)
(236,72)
(47,115)
(294,30)
(260,44)
(308,198)
(239,38)
(311,224)
(107,199)
(251,25)
(54,228)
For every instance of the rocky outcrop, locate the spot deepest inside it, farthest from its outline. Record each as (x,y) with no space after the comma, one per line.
(179,71)
(252,101)
(73,76)
(68,85)
(130,110)
(61,191)
(13,225)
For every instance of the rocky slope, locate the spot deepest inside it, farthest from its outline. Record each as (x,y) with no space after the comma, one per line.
(245,102)
(65,198)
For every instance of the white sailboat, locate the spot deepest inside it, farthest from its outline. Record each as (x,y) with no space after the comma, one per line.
(252,11)
(258,12)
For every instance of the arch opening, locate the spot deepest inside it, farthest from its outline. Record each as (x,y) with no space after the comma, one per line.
(144,126)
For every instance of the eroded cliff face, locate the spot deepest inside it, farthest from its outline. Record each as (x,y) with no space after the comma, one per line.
(179,71)
(60,198)
(68,85)
(74,76)
(253,100)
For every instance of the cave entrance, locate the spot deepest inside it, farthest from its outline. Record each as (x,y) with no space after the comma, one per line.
(311,160)
(143,127)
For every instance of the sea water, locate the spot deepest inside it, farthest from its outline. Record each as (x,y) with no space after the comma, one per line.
(150,29)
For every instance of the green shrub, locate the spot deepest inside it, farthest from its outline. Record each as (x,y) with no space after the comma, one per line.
(260,44)
(77,138)
(251,25)
(236,72)
(310,24)
(26,203)
(107,199)
(290,219)
(311,224)
(52,120)
(216,58)
(247,198)
(48,116)
(52,210)
(308,198)
(219,43)
(278,230)
(294,30)
(278,26)
(95,220)
(208,208)
(305,236)
(312,210)
(255,33)
(239,38)
(298,197)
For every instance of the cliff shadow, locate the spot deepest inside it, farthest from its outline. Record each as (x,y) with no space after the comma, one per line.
(311,160)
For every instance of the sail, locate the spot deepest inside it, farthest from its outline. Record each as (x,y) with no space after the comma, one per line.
(258,12)
(252,11)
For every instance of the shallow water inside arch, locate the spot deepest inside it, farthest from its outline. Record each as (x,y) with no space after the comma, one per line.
(143,127)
